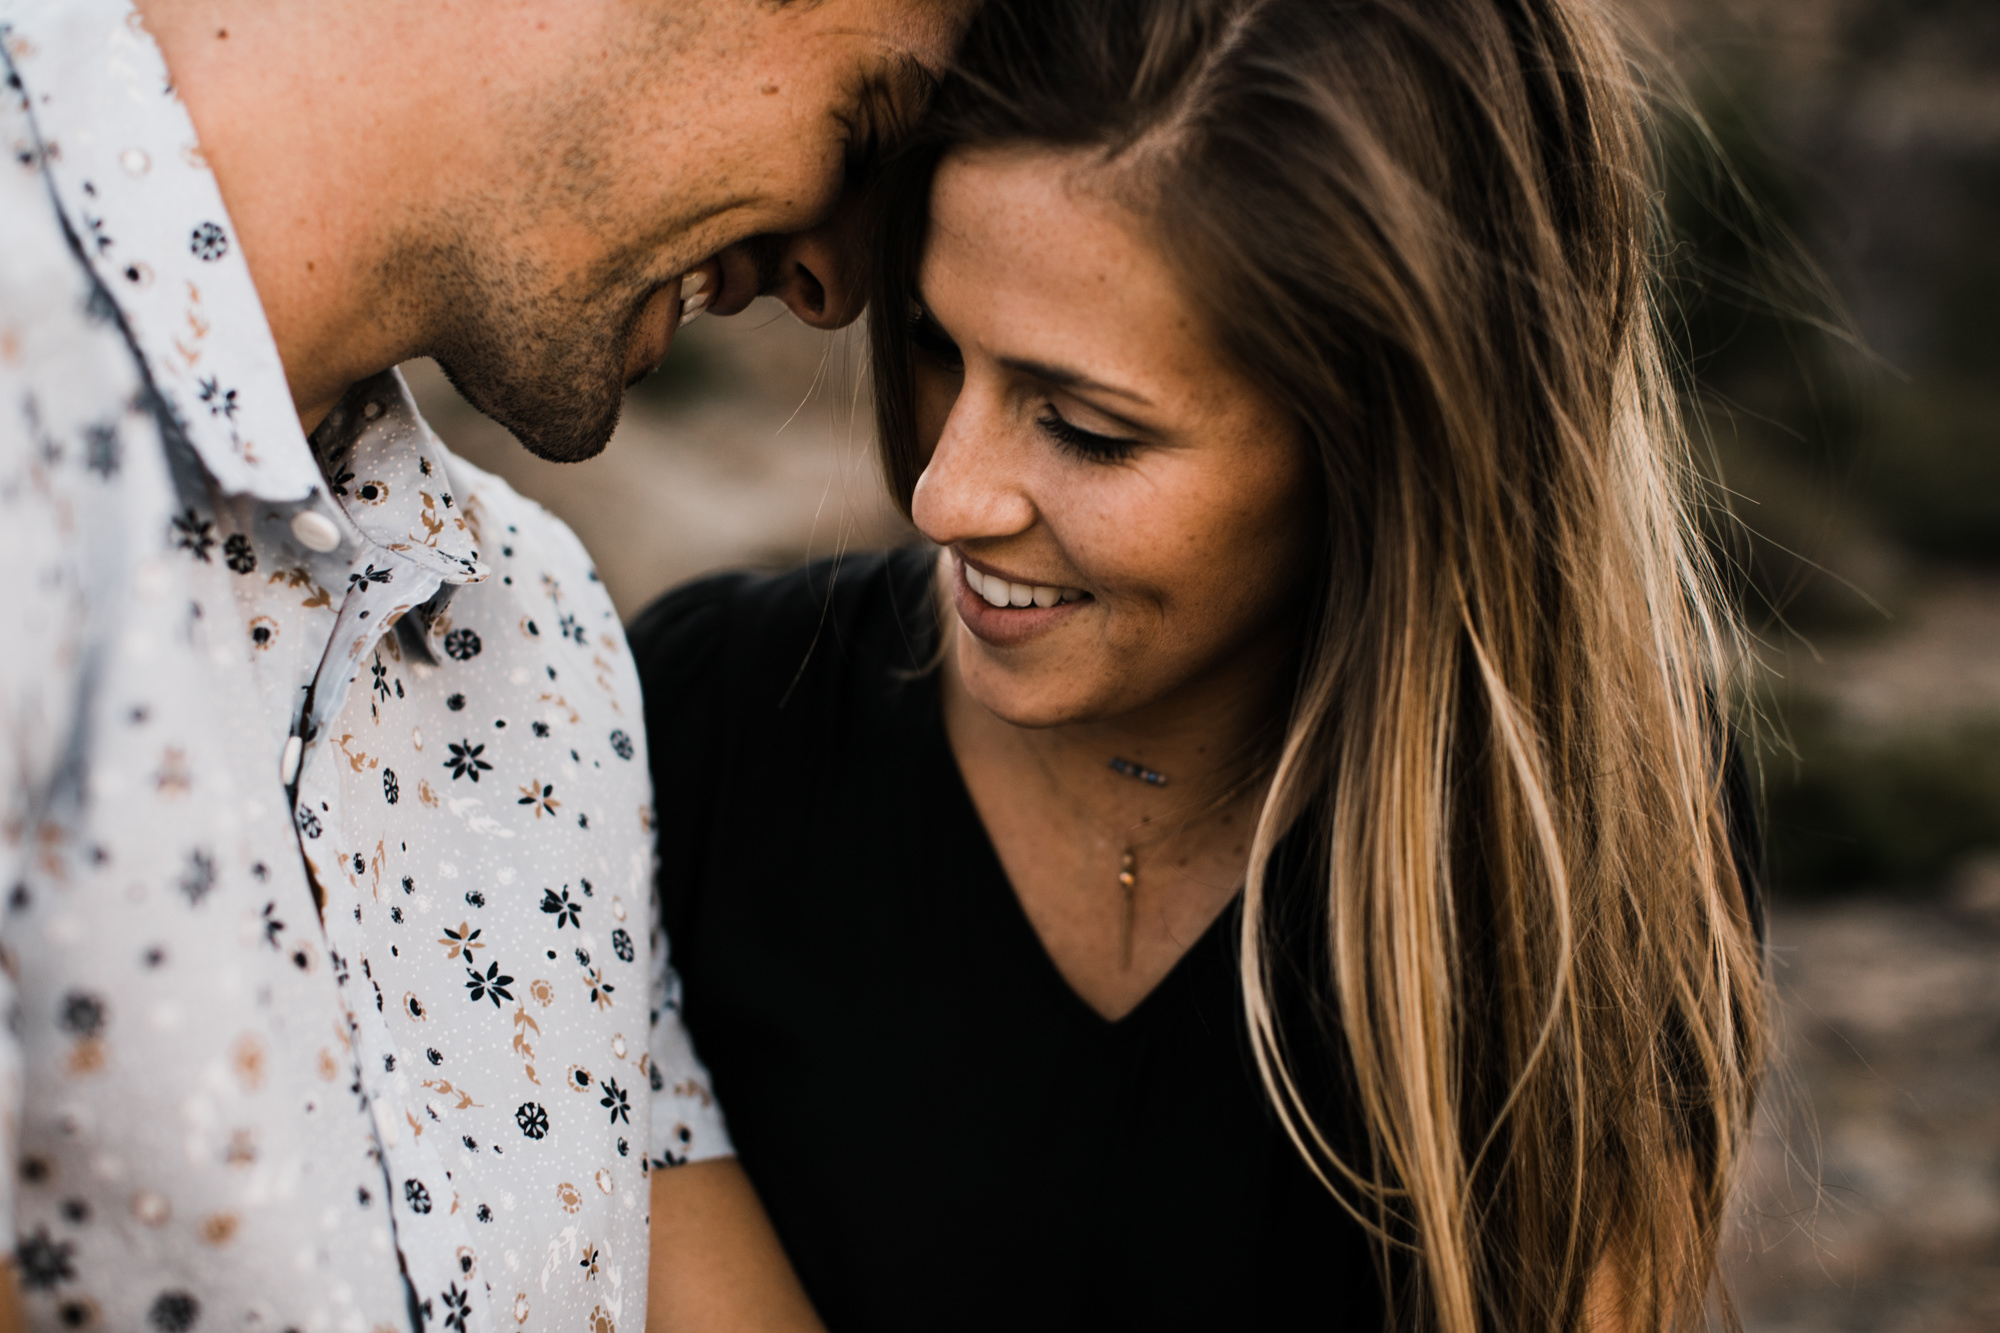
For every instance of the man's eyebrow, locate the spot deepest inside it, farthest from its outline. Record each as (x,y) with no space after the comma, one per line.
(887,105)
(895,93)
(1064,378)
(904,66)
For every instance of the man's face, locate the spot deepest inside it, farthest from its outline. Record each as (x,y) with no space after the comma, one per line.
(660,140)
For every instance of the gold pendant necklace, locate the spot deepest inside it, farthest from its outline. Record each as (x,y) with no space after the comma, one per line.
(1128,866)
(1128,859)
(1128,885)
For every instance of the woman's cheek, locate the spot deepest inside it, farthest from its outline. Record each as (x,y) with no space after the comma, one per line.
(1246,548)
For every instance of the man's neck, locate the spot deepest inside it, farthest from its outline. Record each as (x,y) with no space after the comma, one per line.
(320,139)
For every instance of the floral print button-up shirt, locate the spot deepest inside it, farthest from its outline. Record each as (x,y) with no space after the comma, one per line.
(325,916)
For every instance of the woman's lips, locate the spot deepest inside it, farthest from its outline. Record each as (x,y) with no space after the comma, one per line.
(1029,609)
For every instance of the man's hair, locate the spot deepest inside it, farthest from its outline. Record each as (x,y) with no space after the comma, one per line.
(1522,945)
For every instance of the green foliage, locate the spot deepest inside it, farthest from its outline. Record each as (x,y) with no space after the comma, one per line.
(1835,431)
(1856,810)
(1933,478)
(1830,290)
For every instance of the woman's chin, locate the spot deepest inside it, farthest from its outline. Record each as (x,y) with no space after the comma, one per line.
(1033,698)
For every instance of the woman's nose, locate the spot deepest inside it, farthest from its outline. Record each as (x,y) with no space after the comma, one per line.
(974,486)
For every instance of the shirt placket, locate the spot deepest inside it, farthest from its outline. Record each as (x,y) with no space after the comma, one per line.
(431,1228)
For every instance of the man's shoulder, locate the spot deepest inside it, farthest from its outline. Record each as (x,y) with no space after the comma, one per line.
(61,348)
(509,526)
(37,264)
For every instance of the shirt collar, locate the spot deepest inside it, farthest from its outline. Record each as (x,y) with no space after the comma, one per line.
(387,471)
(123,162)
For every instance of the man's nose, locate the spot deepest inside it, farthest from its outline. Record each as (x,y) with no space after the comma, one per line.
(822,274)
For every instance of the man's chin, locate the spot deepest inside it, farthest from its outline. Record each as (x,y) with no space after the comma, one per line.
(568,446)
(560,418)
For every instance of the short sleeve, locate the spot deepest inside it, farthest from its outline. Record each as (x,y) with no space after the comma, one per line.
(687,1123)
(676,644)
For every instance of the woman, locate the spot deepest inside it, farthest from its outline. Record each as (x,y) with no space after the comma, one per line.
(1270,865)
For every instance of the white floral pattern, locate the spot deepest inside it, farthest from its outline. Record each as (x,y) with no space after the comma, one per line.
(328,925)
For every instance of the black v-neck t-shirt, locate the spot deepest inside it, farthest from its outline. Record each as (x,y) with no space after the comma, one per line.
(945,1135)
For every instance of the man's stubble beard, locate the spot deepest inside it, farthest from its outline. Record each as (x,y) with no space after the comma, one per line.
(544,358)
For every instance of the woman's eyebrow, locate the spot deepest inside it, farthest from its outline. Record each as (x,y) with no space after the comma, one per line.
(1064,378)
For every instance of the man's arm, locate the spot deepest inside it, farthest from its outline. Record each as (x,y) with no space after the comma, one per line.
(717,1265)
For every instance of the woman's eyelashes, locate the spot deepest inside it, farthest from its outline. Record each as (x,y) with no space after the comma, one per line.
(1085,444)
(928,337)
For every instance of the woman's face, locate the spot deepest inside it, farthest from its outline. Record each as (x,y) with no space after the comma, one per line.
(1127,520)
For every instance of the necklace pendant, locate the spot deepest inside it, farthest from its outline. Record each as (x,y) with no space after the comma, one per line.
(1128,886)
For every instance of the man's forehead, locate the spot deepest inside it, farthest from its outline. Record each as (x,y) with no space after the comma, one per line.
(918,37)
(942,24)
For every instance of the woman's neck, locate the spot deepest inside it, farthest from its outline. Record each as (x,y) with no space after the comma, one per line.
(1066,823)
(1165,758)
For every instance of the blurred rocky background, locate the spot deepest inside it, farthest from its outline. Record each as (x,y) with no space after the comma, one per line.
(1834,293)
(1834,296)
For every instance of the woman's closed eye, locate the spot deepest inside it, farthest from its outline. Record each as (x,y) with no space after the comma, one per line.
(929,338)
(1080,443)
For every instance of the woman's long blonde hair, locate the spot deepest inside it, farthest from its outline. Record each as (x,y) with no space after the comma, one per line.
(1513,1010)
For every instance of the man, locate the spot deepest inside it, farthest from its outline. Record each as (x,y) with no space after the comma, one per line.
(325,858)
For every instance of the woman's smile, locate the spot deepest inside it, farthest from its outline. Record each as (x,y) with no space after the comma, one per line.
(1002,612)
(1002,591)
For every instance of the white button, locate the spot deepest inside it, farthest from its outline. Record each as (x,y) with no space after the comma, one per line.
(315,531)
(288,767)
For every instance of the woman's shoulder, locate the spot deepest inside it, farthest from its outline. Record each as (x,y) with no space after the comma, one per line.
(740,643)
(751,682)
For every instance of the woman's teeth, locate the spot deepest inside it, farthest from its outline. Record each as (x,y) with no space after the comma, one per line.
(999,592)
